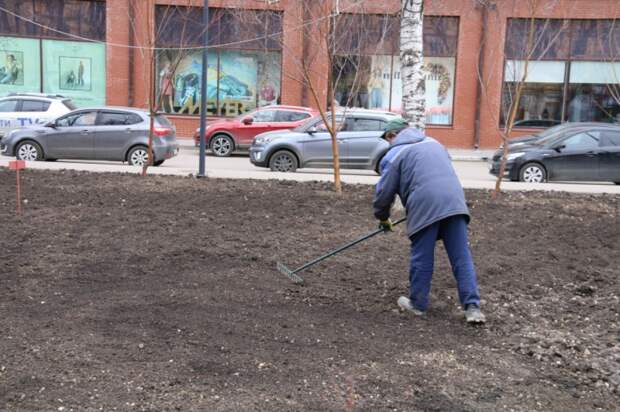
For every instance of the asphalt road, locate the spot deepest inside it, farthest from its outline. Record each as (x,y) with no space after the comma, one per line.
(473,174)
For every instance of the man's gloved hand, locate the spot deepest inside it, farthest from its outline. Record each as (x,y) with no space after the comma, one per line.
(386,225)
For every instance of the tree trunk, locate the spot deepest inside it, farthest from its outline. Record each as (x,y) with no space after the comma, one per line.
(411,61)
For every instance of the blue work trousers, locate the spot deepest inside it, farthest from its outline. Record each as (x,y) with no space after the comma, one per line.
(453,232)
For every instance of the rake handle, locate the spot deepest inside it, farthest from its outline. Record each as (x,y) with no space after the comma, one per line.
(348,245)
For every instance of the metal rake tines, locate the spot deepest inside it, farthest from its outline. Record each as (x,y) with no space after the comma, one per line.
(283,269)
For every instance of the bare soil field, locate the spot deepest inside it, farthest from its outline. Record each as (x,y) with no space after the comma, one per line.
(161,293)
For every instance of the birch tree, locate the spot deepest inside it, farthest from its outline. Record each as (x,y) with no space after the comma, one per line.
(412,62)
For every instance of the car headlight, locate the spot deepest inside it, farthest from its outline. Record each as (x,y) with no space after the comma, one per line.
(513,156)
(263,139)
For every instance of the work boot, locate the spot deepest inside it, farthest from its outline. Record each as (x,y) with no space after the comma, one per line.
(404,303)
(473,314)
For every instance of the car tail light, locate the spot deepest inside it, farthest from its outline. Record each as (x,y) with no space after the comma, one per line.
(161,131)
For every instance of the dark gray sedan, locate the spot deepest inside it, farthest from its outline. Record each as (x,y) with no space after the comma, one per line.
(359,143)
(109,133)
(580,153)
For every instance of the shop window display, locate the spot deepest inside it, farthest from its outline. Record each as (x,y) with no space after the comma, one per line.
(541,96)
(179,77)
(367,71)
(242,75)
(29,63)
(581,83)
(76,70)
(237,81)
(594,92)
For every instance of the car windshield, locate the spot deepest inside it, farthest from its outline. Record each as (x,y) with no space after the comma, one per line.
(552,137)
(306,124)
(552,131)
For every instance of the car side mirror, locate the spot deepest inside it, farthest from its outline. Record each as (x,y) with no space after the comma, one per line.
(247,120)
(559,148)
(312,130)
(51,124)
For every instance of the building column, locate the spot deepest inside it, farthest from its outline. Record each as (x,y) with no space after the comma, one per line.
(117,57)
(315,54)
(491,93)
(292,53)
(143,29)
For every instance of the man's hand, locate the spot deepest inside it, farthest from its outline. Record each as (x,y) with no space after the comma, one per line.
(386,225)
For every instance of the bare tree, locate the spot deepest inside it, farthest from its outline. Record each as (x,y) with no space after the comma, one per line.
(154,23)
(412,62)
(540,37)
(335,58)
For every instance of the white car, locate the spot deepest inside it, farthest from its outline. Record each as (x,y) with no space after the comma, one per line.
(19,110)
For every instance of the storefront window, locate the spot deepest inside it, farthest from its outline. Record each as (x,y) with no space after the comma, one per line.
(76,70)
(582,84)
(439,82)
(541,95)
(550,40)
(594,92)
(367,71)
(179,78)
(78,17)
(69,68)
(237,81)
(20,65)
(595,39)
(354,78)
(244,73)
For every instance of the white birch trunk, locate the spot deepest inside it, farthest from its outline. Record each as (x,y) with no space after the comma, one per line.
(411,61)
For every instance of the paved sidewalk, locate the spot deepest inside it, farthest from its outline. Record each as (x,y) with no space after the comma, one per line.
(458,155)
(473,175)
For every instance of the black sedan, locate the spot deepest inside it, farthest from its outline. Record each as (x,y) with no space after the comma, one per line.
(591,154)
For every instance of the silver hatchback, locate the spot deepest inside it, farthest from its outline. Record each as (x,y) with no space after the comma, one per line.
(108,133)
(359,143)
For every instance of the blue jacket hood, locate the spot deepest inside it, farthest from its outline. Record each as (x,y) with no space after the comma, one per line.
(408,136)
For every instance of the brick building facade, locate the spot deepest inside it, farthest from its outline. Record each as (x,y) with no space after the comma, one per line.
(465,41)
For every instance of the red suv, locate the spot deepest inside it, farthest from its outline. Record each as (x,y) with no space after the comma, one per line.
(225,136)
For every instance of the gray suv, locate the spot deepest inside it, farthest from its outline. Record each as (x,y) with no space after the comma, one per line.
(359,143)
(108,133)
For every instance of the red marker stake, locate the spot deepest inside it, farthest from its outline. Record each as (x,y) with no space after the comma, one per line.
(18,165)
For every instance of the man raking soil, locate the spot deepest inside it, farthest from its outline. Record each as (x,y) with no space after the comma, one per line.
(418,169)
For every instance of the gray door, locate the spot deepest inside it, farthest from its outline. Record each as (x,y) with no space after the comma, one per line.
(115,131)
(73,137)
(609,156)
(317,147)
(578,158)
(8,116)
(363,140)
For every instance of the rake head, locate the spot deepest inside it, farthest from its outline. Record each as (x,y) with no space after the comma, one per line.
(295,278)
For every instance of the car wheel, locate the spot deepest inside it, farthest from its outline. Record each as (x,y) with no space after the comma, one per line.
(138,156)
(158,163)
(222,145)
(29,151)
(283,161)
(533,173)
(378,167)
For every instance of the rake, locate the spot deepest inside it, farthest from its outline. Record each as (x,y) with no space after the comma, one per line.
(292,274)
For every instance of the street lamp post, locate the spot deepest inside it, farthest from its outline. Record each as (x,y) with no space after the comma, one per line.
(203,93)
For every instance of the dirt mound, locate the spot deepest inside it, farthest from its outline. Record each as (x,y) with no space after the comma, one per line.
(123,293)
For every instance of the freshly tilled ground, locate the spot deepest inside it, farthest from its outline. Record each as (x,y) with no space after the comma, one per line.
(154,294)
